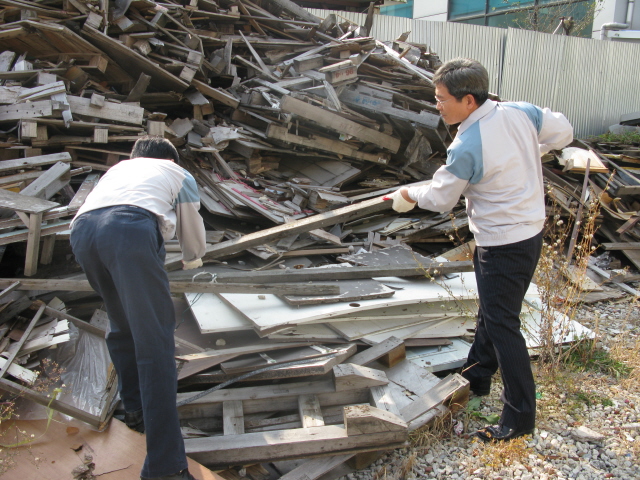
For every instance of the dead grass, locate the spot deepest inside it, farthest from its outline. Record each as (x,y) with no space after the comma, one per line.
(628,353)
(503,454)
(429,435)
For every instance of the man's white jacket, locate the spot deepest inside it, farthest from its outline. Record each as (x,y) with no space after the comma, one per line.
(494,161)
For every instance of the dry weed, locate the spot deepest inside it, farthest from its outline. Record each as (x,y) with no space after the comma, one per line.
(503,454)
(628,353)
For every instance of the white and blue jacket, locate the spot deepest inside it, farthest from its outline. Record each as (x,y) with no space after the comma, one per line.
(494,161)
(163,188)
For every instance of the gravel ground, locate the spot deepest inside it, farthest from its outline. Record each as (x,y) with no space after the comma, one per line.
(608,407)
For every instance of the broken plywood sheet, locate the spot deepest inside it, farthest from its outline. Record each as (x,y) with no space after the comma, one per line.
(269,313)
(60,446)
(350,291)
(352,330)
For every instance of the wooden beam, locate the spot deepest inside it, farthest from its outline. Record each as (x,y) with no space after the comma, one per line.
(352,273)
(392,346)
(265,236)
(324,144)
(310,412)
(621,246)
(133,62)
(179,287)
(216,93)
(340,124)
(365,429)
(33,244)
(34,162)
(110,111)
(232,417)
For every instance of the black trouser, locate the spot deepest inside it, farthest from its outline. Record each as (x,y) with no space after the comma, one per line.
(122,253)
(503,274)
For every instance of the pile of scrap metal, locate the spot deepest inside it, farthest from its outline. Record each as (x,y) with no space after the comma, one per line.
(329,313)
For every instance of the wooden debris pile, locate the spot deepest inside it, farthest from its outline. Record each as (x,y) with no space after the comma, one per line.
(294,127)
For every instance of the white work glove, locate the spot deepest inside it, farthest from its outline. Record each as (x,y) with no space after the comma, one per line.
(400,205)
(192,264)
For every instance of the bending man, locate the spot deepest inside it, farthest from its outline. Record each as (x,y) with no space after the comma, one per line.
(118,239)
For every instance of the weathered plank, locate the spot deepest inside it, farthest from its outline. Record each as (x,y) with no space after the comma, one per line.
(176,287)
(340,124)
(265,236)
(111,111)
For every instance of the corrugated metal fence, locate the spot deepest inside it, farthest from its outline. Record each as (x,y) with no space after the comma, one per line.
(592,82)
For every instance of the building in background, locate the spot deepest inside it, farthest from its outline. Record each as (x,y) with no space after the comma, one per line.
(603,19)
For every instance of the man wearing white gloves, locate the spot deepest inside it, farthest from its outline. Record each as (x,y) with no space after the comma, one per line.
(494,162)
(118,239)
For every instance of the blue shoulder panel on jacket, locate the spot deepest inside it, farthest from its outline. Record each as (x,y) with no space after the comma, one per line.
(534,113)
(189,191)
(464,156)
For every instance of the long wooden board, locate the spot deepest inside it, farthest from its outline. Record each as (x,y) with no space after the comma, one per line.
(324,144)
(366,428)
(271,234)
(176,287)
(109,111)
(133,62)
(340,124)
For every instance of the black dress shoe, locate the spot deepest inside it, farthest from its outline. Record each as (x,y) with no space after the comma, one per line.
(183,475)
(134,421)
(500,433)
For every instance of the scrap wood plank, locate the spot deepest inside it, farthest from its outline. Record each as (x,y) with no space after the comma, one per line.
(318,367)
(273,398)
(20,111)
(309,411)
(111,111)
(381,106)
(316,467)
(352,273)
(24,203)
(275,233)
(47,401)
(50,182)
(338,123)
(365,429)
(445,390)
(391,351)
(216,93)
(349,376)
(325,144)
(621,245)
(176,287)
(232,417)
(134,62)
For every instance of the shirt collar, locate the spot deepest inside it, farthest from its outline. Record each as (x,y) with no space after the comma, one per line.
(483,110)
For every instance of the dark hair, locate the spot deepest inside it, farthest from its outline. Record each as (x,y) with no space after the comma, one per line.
(464,76)
(154,147)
